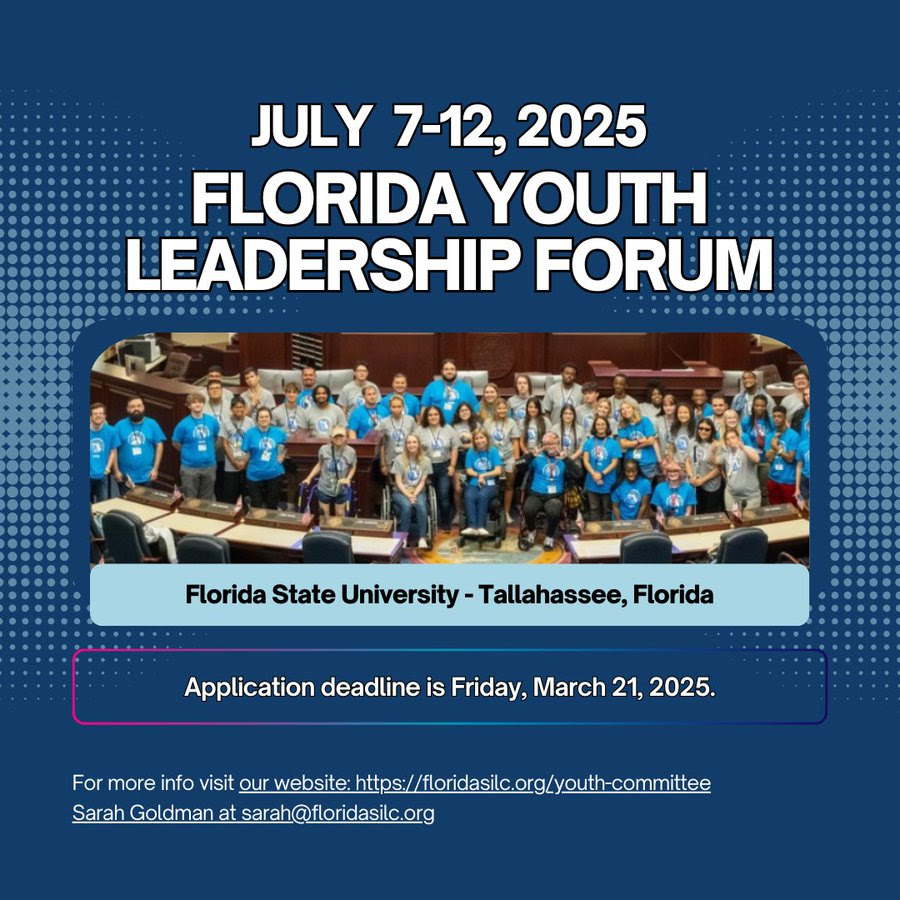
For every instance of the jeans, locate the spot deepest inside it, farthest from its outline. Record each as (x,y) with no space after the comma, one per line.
(478,501)
(443,487)
(598,506)
(99,489)
(550,504)
(404,512)
(199,483)
(265,493)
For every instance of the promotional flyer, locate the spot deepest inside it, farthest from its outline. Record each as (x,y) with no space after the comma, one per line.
(448,525)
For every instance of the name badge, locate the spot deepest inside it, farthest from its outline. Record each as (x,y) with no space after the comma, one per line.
(135,451)
(201,447)
(637,453)
(551,489)
(266,455)
(436,454)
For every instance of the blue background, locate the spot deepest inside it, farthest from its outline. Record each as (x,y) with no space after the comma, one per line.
(793,109)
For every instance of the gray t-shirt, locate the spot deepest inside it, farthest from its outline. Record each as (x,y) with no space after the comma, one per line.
(351,394)
(740,472)
(570,442)
(703,459)
(335,464)
(437,443)
(665,431)
(464,435)
(394,434)
(530,436)
(558,396)
(502,434)
(266,398)
(517,406)
(411,471)
(585,415)
(233,433)
(288,420)
(319,422)
(221,412)
(791,403)
(680,442)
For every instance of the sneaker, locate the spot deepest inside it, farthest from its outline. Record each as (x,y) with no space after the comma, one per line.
(455,520)
(548,543)
(469,532)
(423,544)
(483,532)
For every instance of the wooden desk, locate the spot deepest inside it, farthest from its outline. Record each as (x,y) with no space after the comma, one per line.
(184,523)
(304,450)
(285,545)
(697,374)
(144,512)
(692,545)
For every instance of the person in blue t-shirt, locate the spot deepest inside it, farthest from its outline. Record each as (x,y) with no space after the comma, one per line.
(104,440)
(781,452)
(548,475)
(448,392)
(631,496)
(483,467)
(600,455)
(364,419)
(638,438)
(801,482)
(141,442)
(195,438)
(265,447)
(411,404)
(674,497)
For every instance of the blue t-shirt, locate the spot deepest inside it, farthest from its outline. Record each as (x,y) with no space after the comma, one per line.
(410,404)
(803,456)
(138,441)
(549,474)
(363,419)
(305,398)
(674,502)
(447,397)
(780,470)
(102,441)
(602,451)
(483,461)
(263,449)
(198,441)
(707,412)
(804,427)
(761,428)
(628,496)
(632,431)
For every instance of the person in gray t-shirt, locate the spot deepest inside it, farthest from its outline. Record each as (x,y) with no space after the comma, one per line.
(232,432)
(738,462)
(335,467)
(322,416)
(564,392)
(393,430)
(351,394)
(256,396)
(288,416)
(703,472)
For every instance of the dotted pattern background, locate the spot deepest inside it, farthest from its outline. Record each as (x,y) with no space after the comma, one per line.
(75,178)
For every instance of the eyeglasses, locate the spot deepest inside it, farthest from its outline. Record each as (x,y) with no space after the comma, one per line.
(704,428)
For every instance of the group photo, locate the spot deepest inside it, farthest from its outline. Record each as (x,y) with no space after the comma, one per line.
(440,448)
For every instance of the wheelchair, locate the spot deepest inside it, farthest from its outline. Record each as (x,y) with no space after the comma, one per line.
(572,501)
(388,511)
(496,523)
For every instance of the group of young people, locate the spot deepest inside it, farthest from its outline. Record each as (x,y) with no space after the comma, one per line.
(623,457)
